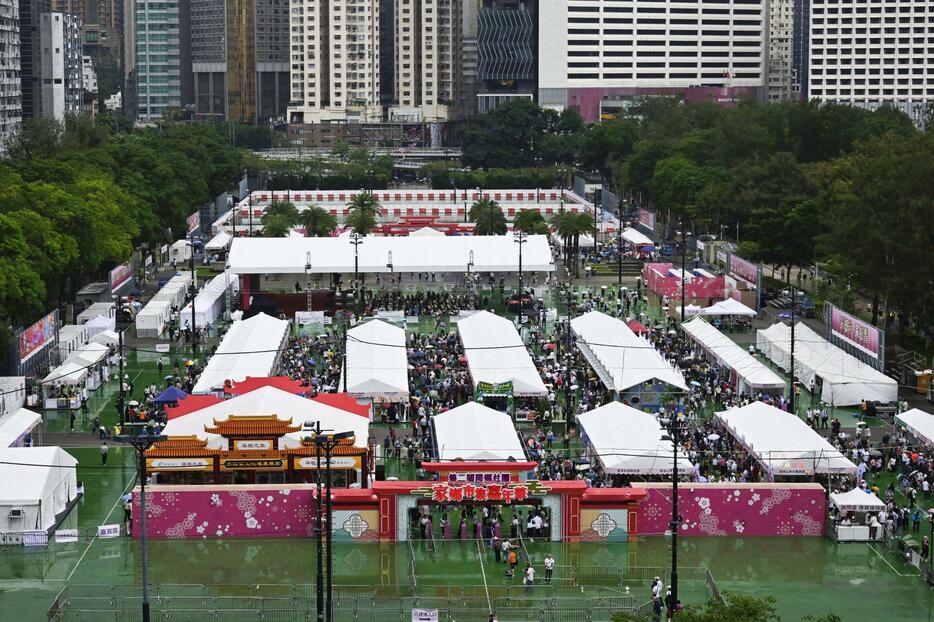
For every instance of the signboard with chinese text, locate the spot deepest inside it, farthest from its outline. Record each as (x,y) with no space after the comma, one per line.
(857,337)
(337,462)
(63,536)
(252,445)
(746,271)
(425,615)
(34,337)
(503,493)
(480,478)
(233,465)
(163,464)
(108,531)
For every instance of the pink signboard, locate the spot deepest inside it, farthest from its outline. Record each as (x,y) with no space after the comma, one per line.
(193,222)
(647,218)
(120,276)
(855,332)
(701,288)
(258,511)
(741,269)
(735,509)
(33,338)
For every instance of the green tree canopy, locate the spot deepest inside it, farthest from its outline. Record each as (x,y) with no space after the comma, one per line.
(488,216)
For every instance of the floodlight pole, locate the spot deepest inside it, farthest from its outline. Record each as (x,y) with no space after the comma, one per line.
(567,369)
(192,291)
(675,517)
(794,303)
(684,251)
(319,581)
(308,279)
(520,240)
(356,240)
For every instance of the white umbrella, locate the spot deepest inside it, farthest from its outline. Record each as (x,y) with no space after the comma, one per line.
(713,437)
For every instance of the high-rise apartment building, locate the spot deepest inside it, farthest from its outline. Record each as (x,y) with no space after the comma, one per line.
(801,47)
(593,55)
(60,65)
(11,103)
(781,50)
(335,61)
(163,57)
(428,54)
(507,51)
(467,93)
(869,53)
(30,50)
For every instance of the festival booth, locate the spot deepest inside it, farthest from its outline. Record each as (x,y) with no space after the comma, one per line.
(919,423)
(82,372)
(782,443)
(840,378)
(499,363)
(626,441)
(71,337)
(99,324)
(17,426)
(626,363)
(209,302)
(39,487)
(251,347)
(180,251)
(584,241)
(377,367)
(475,433)
(851,510)
(94,357)
(107,309)
(664,281)
(171,396)
(156,315)
(220,243)
(747,374)
(729,307)
(108,338)
(259,437)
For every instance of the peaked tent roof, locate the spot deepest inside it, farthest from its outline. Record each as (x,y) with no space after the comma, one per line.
(377,364)
(636,238)
(172,394)
(343,402)
(495,353)
(625,359)
(629,441)
(191,404)
(729,306)
(727,352)
(30,473)
(250,348)
(474,432)
(16,425)
(919,423)
(426,232)
(250,383)
(857,500)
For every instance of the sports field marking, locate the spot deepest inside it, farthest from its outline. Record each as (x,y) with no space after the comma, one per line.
(91,543)
(888,564)
(486,587)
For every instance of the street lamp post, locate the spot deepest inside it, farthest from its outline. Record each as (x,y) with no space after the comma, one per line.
(675,523)
(392,269)
(567,367)
(470,265)
(122,323)
(684,251)
(192,292)
(356,239)
(141,444)
(619,257)
(794,387)
(250,201)
(520,240)
(308,279)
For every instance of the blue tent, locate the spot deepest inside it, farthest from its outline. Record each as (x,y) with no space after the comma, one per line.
(171,396)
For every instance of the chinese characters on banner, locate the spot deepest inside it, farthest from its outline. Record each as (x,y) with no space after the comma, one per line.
(863,336)
(443,493)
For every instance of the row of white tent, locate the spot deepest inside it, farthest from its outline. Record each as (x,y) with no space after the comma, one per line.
(210,301)
(39,484)
(846,381)
(919,423)
(250,348)
(751,375)
(377,363)
(496,353)
(153,318)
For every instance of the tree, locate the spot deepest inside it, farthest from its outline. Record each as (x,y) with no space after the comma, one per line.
(570,226)
(735,608)
(364,212)
(318,222)
(530,221)
(679,185)
(275,225)
(285,209)
(607,142)
(488,216)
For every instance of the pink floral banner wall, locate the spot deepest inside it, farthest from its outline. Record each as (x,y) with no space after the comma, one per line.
(259,511)
(735,509)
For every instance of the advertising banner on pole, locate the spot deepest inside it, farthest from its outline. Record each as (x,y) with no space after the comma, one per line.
(34,337)
(861,339)
(120,276)
(748,272)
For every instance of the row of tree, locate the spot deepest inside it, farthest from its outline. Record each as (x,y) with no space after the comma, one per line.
(77,198)
(344,168)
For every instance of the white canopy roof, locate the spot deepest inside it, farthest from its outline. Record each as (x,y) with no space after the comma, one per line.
(90,354)
(782,442)
(475,432)
(377,365)
(250,348)
(636,238)
(919,423)
(219,242)
(626,359)
(846,380)
(69,372)
(39,480)
(495,353)
(108,309)
(106,338)
(585,241)
(427,231)
(753,375)
(857,500)
(629,441)
(267,401)
(495,253)
(729,306)
(209,302)
(99,324)
(16,425)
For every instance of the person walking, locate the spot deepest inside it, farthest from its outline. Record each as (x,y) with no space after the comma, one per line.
(71,420)
(529,579)
(104,451)
(128,514)
(549,567)
(513,562)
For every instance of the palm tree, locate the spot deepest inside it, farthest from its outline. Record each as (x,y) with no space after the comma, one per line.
(530,221)
(489,217)
(364,212)
(571,225)
(275,225)
(286,209)
(558,223)
(318,222)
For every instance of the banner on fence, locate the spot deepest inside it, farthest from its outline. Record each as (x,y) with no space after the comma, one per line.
(424,615)
(38,537)
(861,339)
(63,536)
(108,531)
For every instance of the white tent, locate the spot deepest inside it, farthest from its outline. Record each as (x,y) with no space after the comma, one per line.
(70,338)
(427,232)
(636,238)
(621,358)
(846,380)
(219,242)
(107,309)
(585,241)
(629,441)
(919,423)
(153,318)
(99,324)
(495,353)
(90,354)
(209,302)
(751,375)
(39,483)
(729,307)
(492,253)
(250,348)
(782,442)
(69,372)
(377,366)
(267,401)
(690,309)
(857,500)
(475,432)
(180,251)
(15,426)
(107,338)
